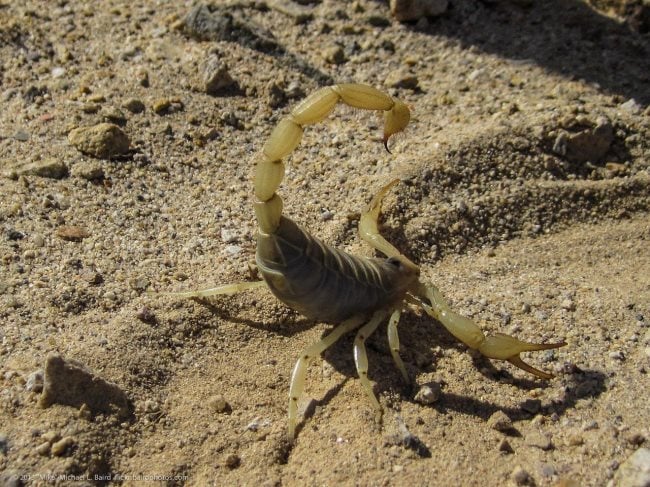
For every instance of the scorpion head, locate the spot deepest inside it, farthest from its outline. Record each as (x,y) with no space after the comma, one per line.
(405,274)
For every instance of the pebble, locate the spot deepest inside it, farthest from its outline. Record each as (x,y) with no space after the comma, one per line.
(60,447)
(631,106)
(568,304)
(72,233)
(334,54)
(47,168)
(589,145)
(102,141)
(114,115)
(164,106)
(401,78)
(500,421)
(233,461)
(531,406)
(428,394)
(520,476)
(633,472)
(34,381)
(218,404)
(505,446)
(70,383)
(4,444)
(617,355)
(43,449)
(134,105)
(88,170)
(216,78)
(299,13)
(538,440)
(407,10)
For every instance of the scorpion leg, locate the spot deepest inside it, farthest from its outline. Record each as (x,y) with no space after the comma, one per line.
(361,357)
(499,346)
(227,289)
(393,342)
(300,369)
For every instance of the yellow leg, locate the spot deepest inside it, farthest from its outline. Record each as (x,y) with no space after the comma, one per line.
(499,346)
(393,342)
(361,357)
(300,369)
(227,289)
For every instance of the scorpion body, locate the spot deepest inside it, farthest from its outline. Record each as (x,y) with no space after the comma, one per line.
(322,282)
(327,284)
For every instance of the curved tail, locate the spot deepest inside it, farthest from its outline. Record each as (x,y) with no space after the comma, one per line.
(288,133)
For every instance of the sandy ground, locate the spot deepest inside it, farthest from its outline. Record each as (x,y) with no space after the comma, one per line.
(524,195)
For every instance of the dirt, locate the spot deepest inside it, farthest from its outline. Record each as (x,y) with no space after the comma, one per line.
(524,196)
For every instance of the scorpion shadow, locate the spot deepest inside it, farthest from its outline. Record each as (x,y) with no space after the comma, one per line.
(416,343)
(564,36)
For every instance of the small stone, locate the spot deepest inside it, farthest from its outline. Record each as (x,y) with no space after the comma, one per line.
(34,381)
(300,13)
(60,447)
(334,54)
(531,406)
(631,106)
(71,383)
(114,115)
(47,168)
(43,449)
(88,170)
(72,233)
(216,78)
(51,436)
(102,141)
(407,10)
(617,355)
(520,476)
(401,78)
(500,421)
(164,106)
(575,439)
(146,316)
(568,304)
(505,447)
(428,394)
(134,105)
(233,461)
(218,404)
(635,471)
(538,440)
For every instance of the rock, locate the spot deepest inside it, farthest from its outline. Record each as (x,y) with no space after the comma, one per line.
(401,78)
(405,10)
(60,447)
(218,404)
(4,444)
(428,393)
(633,472)
(114,115)
(590,144)
(88,170)
(300,13)
(34,381)
(47,168)
(233,461)
(43,449)
(102,141)
(520,476)
(538,440)
(72,233)
(500,421)
(70,383)
(216,78)
(334,54)
(134,105)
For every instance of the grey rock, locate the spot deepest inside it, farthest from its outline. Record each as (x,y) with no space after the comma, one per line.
(633,472)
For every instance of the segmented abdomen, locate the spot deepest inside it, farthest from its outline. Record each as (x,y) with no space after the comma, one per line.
(320,281)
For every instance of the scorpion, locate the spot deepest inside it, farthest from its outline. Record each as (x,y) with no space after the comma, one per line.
(329,285)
